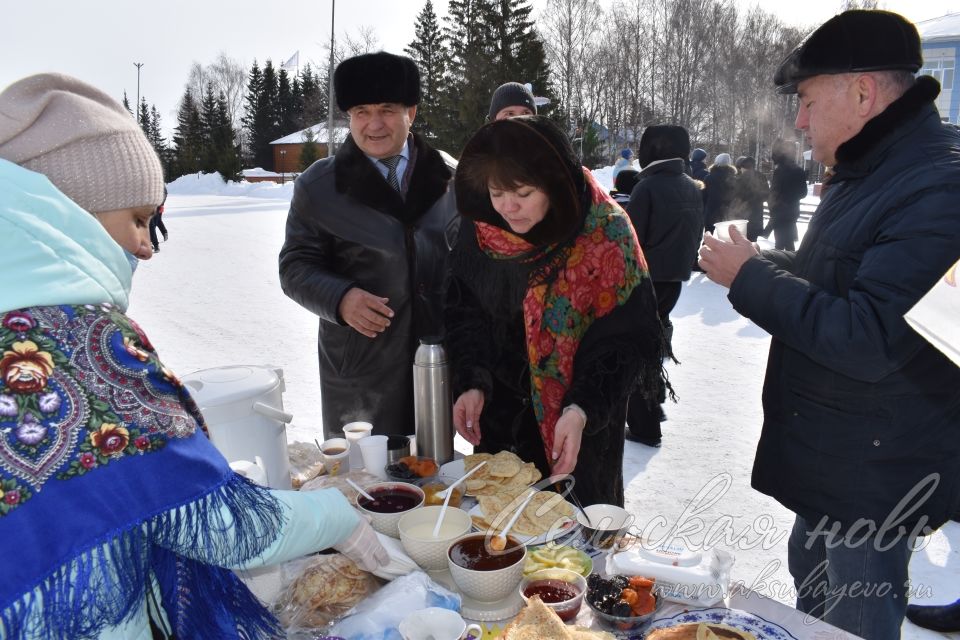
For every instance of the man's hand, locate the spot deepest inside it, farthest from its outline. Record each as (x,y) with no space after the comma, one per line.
(365,312)
(466,415)
(721,261)
(566,443)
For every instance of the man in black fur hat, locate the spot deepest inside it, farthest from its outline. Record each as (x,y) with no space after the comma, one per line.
(368,235)
(861,432)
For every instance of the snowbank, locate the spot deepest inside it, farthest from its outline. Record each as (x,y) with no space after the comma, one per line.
(213,184)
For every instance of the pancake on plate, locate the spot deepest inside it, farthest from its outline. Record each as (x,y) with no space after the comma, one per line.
(700,631)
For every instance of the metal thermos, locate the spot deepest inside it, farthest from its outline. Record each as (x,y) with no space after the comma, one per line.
(432,406)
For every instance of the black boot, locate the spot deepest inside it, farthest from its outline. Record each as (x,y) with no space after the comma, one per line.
(944,617)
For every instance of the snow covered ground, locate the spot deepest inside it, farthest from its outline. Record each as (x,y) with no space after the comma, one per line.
(212,298)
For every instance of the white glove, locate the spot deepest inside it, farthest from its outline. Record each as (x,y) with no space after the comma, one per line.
(363,548)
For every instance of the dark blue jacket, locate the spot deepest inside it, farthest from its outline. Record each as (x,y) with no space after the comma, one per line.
(858,408)
(666,210)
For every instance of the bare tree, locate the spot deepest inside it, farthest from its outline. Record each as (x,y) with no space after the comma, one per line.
(226,74)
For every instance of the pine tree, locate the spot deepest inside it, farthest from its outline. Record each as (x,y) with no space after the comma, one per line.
(187,137)
(521,55)
(310,151)
(143,117)
(126,104)
(210,124)
(313,98)
(428,52)
(471,72)
(261,121)
(224,136)
(286,105)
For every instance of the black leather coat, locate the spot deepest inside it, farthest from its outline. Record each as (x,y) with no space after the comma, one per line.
(858,408)
(348,228)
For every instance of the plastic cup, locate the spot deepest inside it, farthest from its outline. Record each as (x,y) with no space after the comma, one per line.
(373,450)
(336,455)
(353,431)
(721,229)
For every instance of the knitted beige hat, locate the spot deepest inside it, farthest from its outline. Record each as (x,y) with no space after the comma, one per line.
(83,140)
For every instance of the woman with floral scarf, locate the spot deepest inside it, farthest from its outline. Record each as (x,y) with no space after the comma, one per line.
(116,512)
(551,315)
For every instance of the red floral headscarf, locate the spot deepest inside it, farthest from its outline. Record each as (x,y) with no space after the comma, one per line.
(596,274)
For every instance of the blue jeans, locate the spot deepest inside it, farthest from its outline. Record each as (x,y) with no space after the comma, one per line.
(853,585)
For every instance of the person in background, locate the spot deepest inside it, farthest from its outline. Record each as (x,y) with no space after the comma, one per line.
(666,210)
(751,192)
(512,99)
(367,240)
(719,190)
(156,222)
(698,164)
(625,161)
(788,186)
(551,316)
(623,186)
(125,516)
(861,415)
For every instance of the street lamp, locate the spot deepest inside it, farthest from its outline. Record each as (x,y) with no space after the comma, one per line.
(283,152)
(138,65)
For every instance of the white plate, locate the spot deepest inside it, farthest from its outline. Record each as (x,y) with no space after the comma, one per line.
(454,469)
(569,525)
(762,629)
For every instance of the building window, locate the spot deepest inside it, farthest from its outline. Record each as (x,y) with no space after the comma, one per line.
(942,70)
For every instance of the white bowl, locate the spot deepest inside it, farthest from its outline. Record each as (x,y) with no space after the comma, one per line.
(609,524)
(387,523)
(416,534)
(490,585)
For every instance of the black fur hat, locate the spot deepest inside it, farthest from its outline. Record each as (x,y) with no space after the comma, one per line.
(662,142)
(857,40)
(374,78)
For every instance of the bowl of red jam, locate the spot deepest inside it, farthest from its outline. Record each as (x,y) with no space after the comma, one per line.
(560,589)
(391,500)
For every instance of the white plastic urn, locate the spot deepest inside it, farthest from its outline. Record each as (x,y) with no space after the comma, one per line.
(243,408)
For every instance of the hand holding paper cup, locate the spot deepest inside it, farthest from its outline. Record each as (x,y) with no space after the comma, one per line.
(722,229)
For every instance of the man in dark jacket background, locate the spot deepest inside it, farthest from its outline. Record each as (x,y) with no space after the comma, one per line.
(367,241)
(861,433)
(666,210)
(788,186)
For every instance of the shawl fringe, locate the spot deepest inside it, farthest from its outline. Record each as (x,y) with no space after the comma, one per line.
(108,583)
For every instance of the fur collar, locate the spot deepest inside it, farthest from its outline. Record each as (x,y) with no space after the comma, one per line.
(355,175)
(855,154)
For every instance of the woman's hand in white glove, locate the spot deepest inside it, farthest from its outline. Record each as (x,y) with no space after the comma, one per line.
(363,548)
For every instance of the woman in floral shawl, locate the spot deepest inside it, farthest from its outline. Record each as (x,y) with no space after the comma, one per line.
(551,314)
(115,510)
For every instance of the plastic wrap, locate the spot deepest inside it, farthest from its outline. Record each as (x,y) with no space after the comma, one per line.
(320,589)
(377,617)
(361,478)
(306,463)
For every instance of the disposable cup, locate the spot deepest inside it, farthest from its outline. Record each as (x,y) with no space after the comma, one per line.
(373,450)
(721,229)
(336,455)
(353,431)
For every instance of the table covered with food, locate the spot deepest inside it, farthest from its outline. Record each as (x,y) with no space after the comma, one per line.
(484,547)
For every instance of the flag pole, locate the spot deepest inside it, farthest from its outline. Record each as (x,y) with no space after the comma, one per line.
(330,141)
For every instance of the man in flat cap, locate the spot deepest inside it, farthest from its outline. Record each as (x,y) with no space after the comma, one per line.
(367,240)
(861,432)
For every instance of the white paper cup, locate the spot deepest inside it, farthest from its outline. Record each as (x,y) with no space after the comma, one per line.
(436,623)
(336,455)
(721,229)
(353,431)
(373,450)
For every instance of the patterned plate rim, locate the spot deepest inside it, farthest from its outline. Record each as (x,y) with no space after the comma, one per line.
(733,617)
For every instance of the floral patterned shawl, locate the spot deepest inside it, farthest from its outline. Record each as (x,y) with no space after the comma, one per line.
(106,483)
(592,277)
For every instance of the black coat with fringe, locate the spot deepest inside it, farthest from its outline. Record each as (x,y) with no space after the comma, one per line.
(858,408)
(487,350)
(348,228)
